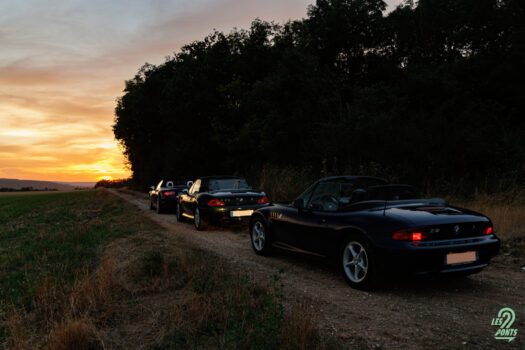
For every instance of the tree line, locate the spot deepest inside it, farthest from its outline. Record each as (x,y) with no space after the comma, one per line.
(430,93)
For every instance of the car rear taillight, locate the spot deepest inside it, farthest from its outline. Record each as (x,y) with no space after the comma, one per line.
(489,230)
(169,193)
(263,200)
(216,203)
(413,236)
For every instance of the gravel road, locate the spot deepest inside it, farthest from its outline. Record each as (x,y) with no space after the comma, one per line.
(430,313)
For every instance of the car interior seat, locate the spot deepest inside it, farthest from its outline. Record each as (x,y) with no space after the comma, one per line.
(358,195)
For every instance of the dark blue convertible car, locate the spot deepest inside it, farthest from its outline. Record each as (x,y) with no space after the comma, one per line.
(374,227)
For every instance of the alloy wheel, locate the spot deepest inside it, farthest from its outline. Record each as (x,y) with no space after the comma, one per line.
(197,218)
(258,236)
(355,262)
(177,212)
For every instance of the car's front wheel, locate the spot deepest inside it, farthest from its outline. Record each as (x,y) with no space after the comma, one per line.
(178,213)
(260,237)
(358,263)
(199,221)
(159,207)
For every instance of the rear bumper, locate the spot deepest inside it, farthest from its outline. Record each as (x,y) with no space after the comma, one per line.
(430,257)
(168,202)
(224,214)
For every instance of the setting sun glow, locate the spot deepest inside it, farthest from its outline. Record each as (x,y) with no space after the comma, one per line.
(62,67)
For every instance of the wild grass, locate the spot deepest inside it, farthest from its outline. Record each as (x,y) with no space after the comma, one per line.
(284,183)
(86,272)
(507,212)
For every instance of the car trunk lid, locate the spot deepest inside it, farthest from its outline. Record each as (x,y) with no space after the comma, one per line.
(234,198)
(440,222)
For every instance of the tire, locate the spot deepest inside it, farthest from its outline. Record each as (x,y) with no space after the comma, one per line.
(178,213)
(160,210)
(200,223)
(358,263)
(260,237)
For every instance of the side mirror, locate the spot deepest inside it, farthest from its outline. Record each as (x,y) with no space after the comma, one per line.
(299,204)
(189,184)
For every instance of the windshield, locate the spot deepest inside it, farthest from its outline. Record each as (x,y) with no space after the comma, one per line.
(331,195)
(228,185)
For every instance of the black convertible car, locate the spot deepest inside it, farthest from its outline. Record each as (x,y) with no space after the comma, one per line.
(373,228)
(164,196)
(217,199)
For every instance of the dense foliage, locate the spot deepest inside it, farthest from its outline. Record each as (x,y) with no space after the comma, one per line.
(118,183)
(430,93)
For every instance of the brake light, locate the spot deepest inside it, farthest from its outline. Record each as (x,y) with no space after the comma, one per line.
(216,203)
(415,236)
(401,236)
(169,193)
(263,200)
(489,230)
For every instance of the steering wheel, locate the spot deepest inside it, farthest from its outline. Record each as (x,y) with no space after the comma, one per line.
(330,203)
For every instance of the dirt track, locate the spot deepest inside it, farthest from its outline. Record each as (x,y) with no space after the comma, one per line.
(411,314)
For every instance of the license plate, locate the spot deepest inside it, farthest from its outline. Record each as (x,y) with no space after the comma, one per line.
(240,213)
(461,258)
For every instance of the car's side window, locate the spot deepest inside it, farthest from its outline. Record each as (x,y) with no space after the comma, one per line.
(196,187)
(305,196)
(159,185)
(325,197)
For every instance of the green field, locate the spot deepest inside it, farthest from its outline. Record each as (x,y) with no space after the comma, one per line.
(86,270)
(52,236)
(49,238)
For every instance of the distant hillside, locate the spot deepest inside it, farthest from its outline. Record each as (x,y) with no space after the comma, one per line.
(37,185)
(83,184)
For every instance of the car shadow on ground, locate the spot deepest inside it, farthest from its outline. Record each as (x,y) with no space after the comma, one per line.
(401,284)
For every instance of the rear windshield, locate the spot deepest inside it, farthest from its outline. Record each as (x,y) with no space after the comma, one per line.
(228,184)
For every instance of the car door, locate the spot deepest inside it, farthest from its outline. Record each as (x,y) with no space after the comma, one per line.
(284,219)
(313,228)
(188,200)
(155,192)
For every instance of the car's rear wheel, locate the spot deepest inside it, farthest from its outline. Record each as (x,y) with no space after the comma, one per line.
(199,221)
(178,212)
(260,237)
(358,263)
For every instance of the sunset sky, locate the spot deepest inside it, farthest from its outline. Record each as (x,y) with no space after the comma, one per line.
(63,63)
